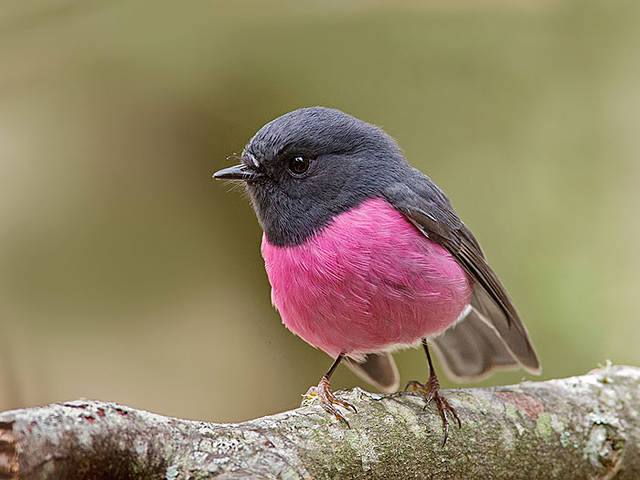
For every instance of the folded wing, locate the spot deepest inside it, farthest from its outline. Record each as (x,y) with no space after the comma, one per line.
(493,320)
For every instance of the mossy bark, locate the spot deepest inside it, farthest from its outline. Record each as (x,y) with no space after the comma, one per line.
(580,427)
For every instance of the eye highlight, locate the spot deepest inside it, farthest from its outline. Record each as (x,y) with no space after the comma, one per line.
(298,165)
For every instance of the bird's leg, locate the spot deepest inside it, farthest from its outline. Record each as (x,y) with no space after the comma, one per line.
(431,391)
(326,398)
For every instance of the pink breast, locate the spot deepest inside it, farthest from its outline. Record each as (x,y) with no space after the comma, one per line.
(366,282)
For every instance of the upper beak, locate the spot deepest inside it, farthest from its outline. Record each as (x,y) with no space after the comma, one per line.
(237,172)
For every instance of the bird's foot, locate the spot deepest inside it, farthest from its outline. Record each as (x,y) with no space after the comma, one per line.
(431,391)
(322,393)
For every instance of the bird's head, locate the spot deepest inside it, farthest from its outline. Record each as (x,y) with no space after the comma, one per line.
(307,166)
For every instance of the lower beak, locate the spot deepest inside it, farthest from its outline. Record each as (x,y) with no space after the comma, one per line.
(237,172)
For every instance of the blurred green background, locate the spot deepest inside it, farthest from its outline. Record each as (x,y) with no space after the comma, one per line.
(126,274)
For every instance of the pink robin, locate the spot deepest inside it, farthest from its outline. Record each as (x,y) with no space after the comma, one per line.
(366,255)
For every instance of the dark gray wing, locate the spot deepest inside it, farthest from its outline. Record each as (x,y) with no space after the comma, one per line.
(378,369)
(428,208)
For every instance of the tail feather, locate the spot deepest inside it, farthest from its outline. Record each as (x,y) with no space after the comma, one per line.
(472,348)
(513,333)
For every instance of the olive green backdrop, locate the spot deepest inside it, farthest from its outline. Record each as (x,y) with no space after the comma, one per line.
(126,274)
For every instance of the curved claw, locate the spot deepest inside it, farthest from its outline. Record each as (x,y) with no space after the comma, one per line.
(431,392)
(328,400)
(347,405)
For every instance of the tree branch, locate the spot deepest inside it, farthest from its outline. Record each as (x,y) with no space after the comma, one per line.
(580,427)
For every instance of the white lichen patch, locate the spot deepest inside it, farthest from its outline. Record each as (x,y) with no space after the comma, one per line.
(482,406)
(609,397)
(508,439)
(141,446)
(601,418)
(566,440)
(408,415)
(227,446)
(557,424)
(205,445)
(593,450)
(85,437)
(198,456)
(251,436)
(628,399)
(360,394)
(419,431)
(172,472)
(398,409)
(414,400)
(366,449)
(289,474)
(338,434)
(388,419)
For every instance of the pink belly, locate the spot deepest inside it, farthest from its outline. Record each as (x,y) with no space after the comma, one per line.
(366,282)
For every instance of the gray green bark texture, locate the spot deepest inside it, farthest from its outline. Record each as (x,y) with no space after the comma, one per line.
(580,427)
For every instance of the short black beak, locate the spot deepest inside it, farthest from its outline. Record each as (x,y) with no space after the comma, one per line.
(237,172)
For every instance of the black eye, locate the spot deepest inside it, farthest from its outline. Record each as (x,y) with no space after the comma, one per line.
(298,165)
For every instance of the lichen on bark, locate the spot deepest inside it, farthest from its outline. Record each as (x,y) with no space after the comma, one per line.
(579,427)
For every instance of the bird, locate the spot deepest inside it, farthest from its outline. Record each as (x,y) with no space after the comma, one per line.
(366,255)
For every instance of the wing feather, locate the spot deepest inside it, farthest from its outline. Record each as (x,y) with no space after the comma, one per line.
(428,208)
